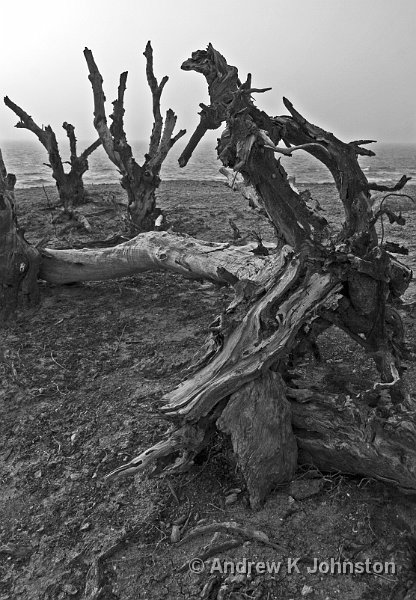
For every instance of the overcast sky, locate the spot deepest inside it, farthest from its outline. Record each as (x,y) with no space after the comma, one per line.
(348,65)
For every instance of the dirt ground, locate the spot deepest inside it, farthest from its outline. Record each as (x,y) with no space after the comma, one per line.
(80,379)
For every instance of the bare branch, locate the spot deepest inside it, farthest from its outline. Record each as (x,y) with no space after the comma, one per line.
(156,90)
(385,188)
(166,141)
(91,148)
(100,119)
(26,122)
(70,132)
(362,142)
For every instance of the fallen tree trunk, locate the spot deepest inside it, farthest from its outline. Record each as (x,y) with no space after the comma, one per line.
(160,251)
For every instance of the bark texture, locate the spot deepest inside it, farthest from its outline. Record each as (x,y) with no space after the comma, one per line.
(19,262)
(69,184)
(139,181)
(154,251)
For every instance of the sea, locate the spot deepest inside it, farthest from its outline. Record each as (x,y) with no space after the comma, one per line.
(27,158)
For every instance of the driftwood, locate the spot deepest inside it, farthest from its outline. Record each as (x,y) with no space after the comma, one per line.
(243,386)
(70,185)
(153,251)
(19,262)
(139,181)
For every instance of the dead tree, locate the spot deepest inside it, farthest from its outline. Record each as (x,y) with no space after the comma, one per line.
(139,181)
(19,261)
(244,384)
(70,185)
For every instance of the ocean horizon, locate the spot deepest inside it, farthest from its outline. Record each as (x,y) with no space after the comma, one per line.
(27,158)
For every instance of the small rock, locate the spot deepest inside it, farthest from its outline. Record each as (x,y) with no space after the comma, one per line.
(85,527)
(231,499)
(291,500)
(74,476)
(175,535)
(70,589)
(305,488)
(306,590)
(234,491)
(38,474)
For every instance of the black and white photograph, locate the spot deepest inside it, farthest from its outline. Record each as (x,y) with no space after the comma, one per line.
(207,300)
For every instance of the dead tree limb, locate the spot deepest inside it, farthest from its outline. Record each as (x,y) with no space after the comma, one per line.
(19,262)
(152,251)
(139,181)
(222,80)
(70,185)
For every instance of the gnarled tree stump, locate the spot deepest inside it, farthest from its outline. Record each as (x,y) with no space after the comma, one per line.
(243,386)
(139,181)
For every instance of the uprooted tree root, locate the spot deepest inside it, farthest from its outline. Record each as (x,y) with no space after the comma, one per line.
(242,385)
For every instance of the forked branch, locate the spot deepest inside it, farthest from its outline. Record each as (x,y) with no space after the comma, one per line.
(140,181)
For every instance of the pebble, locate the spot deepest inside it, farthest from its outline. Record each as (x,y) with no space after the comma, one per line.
(70,589)
(301,489)
(175,535)
(306,590)
(231,499)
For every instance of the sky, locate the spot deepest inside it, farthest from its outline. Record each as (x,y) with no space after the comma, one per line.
(348,65)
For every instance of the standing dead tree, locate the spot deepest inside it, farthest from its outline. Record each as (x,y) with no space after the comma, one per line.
(139,181)
(70,185)
(19,261)
(244,385)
